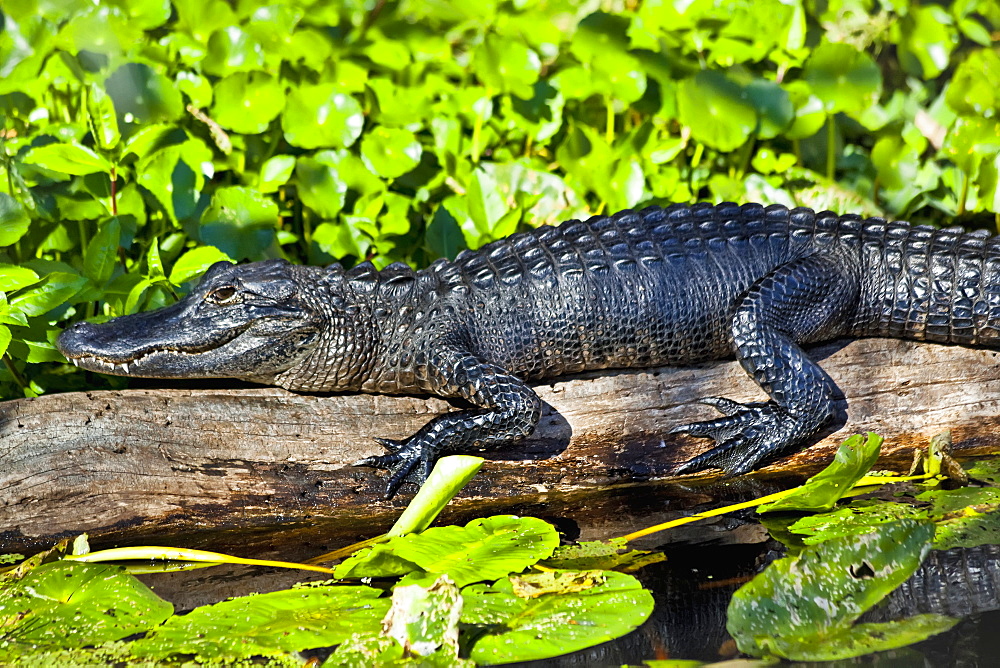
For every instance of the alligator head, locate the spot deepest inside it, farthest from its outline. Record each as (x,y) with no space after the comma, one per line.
(250,321)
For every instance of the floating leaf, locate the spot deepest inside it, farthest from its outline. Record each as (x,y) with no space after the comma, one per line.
(716,110)
(844,78)
(527,629)
(239,221)
(797,603)
(269,624)
(483,549)
(65,604)
(853,460)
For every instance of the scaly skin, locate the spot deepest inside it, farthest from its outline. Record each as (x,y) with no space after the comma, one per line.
(637,289)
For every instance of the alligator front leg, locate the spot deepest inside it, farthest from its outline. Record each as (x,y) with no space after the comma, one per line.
(799,302)
(508,411)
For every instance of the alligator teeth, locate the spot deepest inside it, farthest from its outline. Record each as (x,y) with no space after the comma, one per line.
(75,361)
(124,368)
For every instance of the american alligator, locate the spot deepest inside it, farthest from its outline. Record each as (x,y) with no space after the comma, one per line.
(661,286)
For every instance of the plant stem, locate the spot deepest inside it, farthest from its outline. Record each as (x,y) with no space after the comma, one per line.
(609,129)
(964,195)
(831,142)
(18,378)
(114,191)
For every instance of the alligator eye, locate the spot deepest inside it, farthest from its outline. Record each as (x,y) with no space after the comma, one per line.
(223,295)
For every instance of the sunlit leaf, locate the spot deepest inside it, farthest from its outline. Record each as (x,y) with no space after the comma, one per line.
(527,629)
(390,152)
(844,78)
(56,289)
(196,262)
(73,159)
(269,624)
(321,116)
(14,220)
(796,603)
(247,102)
(716,110)
(65,604)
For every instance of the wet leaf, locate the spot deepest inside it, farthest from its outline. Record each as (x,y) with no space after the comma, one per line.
(484,549)
(520,629)
(64,604)
(797,603)
(269,624)
(853,460)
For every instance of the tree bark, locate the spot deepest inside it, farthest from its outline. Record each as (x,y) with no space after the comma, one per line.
(157,462)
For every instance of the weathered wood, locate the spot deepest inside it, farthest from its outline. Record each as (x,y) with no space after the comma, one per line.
(169,461)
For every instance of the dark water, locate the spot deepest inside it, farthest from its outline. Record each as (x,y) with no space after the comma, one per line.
(706,562)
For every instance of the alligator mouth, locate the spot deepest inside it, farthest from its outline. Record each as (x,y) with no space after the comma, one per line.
(127,365)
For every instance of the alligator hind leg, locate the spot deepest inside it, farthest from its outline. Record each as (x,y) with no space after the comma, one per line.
(806,300)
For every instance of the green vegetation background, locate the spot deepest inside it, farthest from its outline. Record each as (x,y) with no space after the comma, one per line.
(142,140)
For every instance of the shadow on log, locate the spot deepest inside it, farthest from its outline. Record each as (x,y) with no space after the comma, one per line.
(143,463)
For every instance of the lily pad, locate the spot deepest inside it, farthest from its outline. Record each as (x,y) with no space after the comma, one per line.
(797,603)
(390,152)
(64,605)
(247,102)
(527,629)
(269,624)
(716,109)
(484,549)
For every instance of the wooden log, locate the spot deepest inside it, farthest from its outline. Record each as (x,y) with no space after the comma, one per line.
(156,462)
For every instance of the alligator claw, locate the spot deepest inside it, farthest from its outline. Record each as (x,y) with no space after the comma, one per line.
(745,435)
(401,461)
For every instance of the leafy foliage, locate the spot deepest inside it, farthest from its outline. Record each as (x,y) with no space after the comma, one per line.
(142,141)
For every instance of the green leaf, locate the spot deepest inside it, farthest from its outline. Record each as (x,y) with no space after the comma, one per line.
(5,337)
(101,110)
(927,40)
(797,603)
(102,252)
(483,549)
(844,78)
(275,172)
(424,619)
(143,95)
(506,66)
(271,624)
(14,220)
(13,277)
(55,289)
(66,604)
(449,476)
(239,221)
(970,140)
(320,185)
(444,235)
(716,110)
(868,638)
(247,102)
(321,116)
(519,629)
(74,159)
(231,49)
(390,152)
(853,460)
(975,88)
(196,262)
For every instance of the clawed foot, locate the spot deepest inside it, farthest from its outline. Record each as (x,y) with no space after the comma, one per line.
(401,462)
(746,435)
